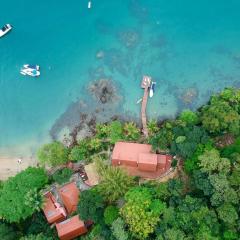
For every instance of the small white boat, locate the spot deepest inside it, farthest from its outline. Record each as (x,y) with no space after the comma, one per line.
(5,29)
(30,72)
(152,89)
(89,4)
(29,66)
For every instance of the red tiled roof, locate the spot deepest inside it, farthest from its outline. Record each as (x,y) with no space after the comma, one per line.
(70,195)
(127,153)
(52,213)
(147,162)
(71,228)
(138,160)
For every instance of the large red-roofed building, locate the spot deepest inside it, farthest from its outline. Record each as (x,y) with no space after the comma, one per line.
(139,160)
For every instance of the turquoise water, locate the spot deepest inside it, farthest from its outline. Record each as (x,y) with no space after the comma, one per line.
(190,48)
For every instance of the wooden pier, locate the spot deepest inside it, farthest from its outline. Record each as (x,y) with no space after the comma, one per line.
(146,82)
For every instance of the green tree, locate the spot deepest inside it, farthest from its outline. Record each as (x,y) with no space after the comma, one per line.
(174,234)
(141,211)
(161,141)
(34,199)
(13,205)
(114,182)
(91,205)
(162,192)
(53,154)
(210,161)
(219,116)
(62,176)
(79,152)
(40,236)
(118,229)
(7,232)
(37,224)
(202,182)
(187,139)
(228,214)
(115,132)
(131,131)
(189,117)
(192,163)
(222,191)
(110,214)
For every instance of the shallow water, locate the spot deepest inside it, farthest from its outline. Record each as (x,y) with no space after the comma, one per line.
(190,48)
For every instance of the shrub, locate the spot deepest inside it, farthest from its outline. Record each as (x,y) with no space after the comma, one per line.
(114,182)
(187,139)
(189,117)
(7,232)
(62,176)
(131,131)
(110,214)
(91,205)
(152,127)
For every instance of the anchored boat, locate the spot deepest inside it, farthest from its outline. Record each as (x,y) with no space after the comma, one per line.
(5,29)
(152,89)
(30,70)
(36,67)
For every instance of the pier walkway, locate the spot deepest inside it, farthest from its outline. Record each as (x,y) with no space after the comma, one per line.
(146,82)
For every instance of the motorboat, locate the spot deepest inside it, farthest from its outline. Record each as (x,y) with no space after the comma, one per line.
(29,66)
(30,72)
(152,89)
(5,29)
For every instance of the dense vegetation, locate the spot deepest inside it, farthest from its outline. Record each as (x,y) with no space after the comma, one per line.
(202,203)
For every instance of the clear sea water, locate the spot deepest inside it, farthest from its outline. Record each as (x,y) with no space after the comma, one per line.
(190,48)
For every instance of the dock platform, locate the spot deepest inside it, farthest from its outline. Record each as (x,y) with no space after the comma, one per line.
(146,82)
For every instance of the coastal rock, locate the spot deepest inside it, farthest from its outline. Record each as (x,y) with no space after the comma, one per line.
(65,137)
(104,91)
(189,95)
(84,132)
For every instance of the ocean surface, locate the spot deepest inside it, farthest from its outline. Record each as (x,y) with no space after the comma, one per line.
(190,48)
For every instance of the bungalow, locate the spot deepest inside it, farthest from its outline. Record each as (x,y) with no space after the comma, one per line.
(71,228)
(139,160)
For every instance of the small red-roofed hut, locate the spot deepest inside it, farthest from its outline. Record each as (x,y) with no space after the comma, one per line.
(71,228)
(52,211)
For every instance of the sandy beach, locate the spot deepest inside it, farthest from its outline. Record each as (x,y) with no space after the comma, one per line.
(10,166)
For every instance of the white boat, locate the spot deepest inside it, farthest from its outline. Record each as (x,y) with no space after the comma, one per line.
(29,66)
(89,4)
(5,29)
(152,89)
(30,72)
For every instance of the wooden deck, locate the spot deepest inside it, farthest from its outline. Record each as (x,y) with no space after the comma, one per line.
(146,82)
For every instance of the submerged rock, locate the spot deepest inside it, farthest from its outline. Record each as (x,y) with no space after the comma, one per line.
(189,95)
(129,38)
(100,54)
(104,91)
